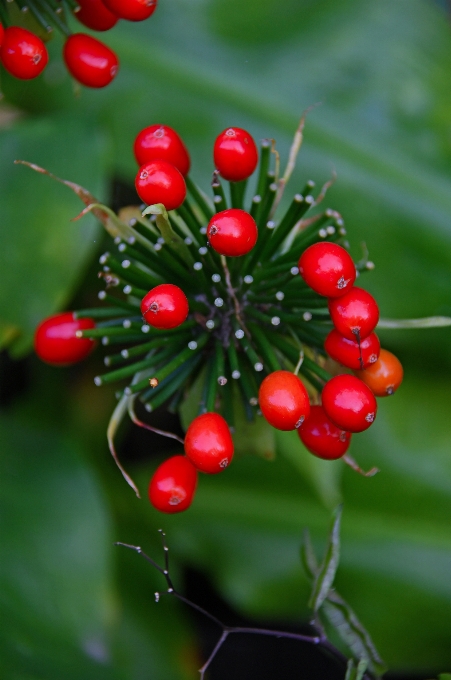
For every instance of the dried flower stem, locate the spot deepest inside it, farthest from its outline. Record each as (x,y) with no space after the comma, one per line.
(318,640)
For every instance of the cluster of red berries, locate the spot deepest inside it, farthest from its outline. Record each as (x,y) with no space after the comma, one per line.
(88,60)
(208,448)
(220,322)
(348,402)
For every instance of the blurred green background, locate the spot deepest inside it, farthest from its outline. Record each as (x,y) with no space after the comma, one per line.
(72,605)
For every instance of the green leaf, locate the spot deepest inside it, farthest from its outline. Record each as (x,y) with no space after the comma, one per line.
(323,475)
(308,556)
(356,672)
(76,606)
(56,578)
(354,635)
(43,254)
(326,573)
(350,670)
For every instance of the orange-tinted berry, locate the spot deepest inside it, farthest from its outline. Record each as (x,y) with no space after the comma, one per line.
(384,376)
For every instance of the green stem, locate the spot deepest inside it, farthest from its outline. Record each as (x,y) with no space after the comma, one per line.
(61,25)
(191,222)
(94,333)
(148,258)
(237,191)
(233,358)
(167,232)
(248,390)
(171,366)
(134,292)
(255,206)
(99,312)
(129,306)
(154,397)
(219,199)
(265,348)
(308,188)
(263,167)
(127,354)
(267,202)
(227,404)
(425,322)
(199,198)
(38,15)
(251,354)
(127,371)
(220,363)
(298,207)
(211,384)
(121,339)
(130,273)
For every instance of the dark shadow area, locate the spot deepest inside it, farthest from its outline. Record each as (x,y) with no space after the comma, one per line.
(259,657)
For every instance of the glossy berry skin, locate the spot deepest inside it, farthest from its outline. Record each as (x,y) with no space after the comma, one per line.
(349,353)
(321,437)
(349,403)
(355,314)
(173,485)
(283,400)
(235,154)
(2,33)
(132,10)
(384,376)
(165,306)
(22,53)
(327,268)
(55,340)
(95,14)
(161,143)
(161,182)
(232,232)
(209,444)
(90,61)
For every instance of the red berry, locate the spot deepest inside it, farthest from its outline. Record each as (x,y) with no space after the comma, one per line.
(161,143)
(232,232)
(161,182)
(209,444)
(2,33)
(350,353)
(235,154)
(22,53)
(165,306)
(132,10)
(95,15)
(90,61)
(321,437)
(349,403)
(355,314)
(327,268)
(384,376)
(55,340)
(283,400)
(173,484)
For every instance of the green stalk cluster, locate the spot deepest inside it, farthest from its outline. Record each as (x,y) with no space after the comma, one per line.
(248,316)
(48,14)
